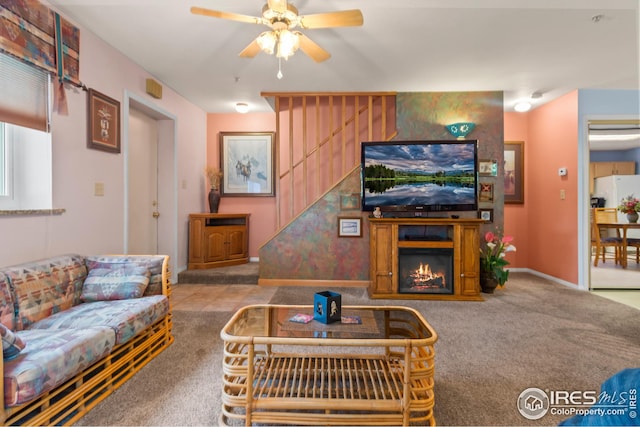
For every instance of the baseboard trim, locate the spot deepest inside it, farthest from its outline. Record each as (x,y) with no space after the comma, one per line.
(315,283)
(546,276)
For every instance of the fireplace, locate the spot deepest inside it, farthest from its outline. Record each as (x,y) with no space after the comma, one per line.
(425,271)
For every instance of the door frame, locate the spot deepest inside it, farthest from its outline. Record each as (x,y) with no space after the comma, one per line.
(167,180)
(584,198)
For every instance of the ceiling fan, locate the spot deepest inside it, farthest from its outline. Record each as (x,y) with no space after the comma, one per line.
(283,39)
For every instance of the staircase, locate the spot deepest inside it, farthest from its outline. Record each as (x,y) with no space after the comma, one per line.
(243,274)
(318,141)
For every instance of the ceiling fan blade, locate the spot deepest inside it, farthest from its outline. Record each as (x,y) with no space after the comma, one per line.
(312,49)
(226,15)
(277,5)
(252,50)
(344,18)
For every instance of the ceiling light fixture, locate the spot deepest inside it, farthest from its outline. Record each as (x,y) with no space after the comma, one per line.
(522,107)
(242,107)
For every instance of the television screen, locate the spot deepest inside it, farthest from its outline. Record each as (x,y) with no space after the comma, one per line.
(428,176)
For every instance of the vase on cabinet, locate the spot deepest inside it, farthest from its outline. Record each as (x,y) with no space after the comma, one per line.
(214,200)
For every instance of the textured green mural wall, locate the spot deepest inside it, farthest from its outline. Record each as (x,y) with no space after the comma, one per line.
(425,115)
(309,248)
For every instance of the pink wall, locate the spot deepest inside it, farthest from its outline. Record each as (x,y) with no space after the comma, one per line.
(95,225)
(262,223)
(545,228)
(516,128)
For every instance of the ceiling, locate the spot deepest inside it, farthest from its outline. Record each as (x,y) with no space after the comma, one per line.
(520,47)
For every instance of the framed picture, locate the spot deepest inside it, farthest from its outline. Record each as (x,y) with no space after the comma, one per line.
(349,202)
(486,192)
(486,215)
(104,122)
(514,172)
(247,163)
(488,167)
(349,226)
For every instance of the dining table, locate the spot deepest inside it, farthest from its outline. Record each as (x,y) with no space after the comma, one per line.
(622,228)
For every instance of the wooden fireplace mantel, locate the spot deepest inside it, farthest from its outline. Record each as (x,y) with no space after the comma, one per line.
(388,235)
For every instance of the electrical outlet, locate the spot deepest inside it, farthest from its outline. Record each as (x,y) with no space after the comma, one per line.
(563,195)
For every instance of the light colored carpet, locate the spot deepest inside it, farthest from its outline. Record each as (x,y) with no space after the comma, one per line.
(533,333)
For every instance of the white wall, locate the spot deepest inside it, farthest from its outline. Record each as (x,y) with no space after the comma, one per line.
(91,224)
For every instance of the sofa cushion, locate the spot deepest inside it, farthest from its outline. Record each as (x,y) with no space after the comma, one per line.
(105,284)
(12,344)
(152,262)
(42,288)
(52,357)
(126,317)
(7,307)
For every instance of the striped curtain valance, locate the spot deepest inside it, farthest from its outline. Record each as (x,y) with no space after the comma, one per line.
(37,35)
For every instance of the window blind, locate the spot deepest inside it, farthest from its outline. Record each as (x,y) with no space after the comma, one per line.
(24,94)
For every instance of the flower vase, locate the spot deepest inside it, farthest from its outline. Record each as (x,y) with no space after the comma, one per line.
(632,217)
(488,282)
(214,200)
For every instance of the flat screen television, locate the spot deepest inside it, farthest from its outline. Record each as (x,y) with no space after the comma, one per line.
(420,176)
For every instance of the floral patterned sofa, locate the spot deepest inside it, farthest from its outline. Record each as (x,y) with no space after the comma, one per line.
(74,328)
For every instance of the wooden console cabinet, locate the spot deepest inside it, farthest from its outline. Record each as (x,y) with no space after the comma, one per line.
(218,240)
(389,235)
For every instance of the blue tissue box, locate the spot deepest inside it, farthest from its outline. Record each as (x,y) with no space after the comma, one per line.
(327,306)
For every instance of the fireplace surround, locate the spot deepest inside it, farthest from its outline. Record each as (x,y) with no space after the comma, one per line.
(447,248)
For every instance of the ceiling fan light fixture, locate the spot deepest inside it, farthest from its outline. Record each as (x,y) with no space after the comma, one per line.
(288,44)
(267,42)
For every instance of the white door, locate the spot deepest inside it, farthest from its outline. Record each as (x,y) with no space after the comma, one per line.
(142,170)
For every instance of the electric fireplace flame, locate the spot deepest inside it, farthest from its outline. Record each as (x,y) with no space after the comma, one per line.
(425,270)
(424,278)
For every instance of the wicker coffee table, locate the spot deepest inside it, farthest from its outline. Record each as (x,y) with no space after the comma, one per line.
(276,371)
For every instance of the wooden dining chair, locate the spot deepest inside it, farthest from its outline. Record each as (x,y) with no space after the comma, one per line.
(605,237)
(634,243)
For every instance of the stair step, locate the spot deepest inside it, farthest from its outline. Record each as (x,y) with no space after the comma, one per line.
(243,274)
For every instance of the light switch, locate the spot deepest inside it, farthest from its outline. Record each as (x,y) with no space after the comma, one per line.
(562,195)
(99,189)
(184,184)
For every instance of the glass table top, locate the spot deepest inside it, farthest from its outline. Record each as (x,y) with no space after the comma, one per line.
(357,323)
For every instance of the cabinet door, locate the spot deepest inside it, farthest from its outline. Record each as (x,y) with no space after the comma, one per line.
(196,249)
(603,169)
(470,261)
(215,247)
(625,168)
(236,242)
(382,245)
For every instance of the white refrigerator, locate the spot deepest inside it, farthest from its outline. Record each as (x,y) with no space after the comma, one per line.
(614,188)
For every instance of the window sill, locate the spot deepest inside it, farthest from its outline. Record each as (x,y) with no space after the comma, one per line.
(33,212)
